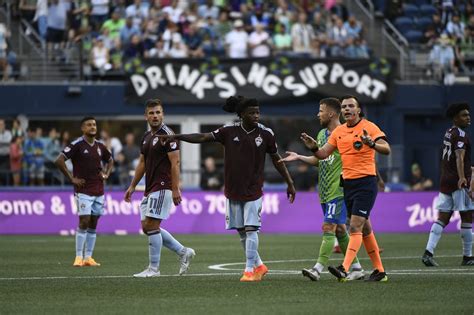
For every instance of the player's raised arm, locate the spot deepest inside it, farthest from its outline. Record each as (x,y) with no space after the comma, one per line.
(139,172)
(320,153)
(192,137)
(293,156)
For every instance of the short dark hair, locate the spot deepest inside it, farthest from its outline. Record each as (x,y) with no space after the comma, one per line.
(86,119)
(333,103)
(237,104)
(455,108)
(152,103)
(358,103)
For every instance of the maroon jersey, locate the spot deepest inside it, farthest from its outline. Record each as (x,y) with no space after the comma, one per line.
(157,163)
(245,159)
(454,139)
(87,164)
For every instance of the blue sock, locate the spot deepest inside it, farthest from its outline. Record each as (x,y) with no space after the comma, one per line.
(251,250)
(171,243)
(155,242)
(90,242)
(80,240)
(466,236)
(243,241)
(435,236)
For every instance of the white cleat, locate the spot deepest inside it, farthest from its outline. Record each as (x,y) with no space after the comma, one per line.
(185,260)
(313,274)
(147,273)
(356,275)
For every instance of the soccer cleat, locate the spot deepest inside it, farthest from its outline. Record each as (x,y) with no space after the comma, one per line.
(428,260)
(147,273)
(78,262)
(312,274)
(185,260)
(90,262)
(339,272)
(248,276)
(356,274)
(260,271)
(467,261)
(378,276)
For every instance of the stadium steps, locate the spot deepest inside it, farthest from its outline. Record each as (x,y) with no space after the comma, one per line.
(52,69)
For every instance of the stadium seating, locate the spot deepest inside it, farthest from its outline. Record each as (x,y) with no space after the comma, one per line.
(404,24)
(413,36)
(427,10)
(410,10)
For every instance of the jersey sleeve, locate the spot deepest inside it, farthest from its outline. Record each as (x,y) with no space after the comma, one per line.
(220,134)
(459,141)
(142,145)
(271,144)
(332,140)
(172,146)
(69,151)
(106,155)
(375,132)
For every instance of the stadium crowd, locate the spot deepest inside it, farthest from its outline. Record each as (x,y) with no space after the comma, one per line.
(116,34)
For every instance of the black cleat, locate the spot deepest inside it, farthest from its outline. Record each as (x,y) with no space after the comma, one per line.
(378,276)
(339,272)
(467,261)
(428,259)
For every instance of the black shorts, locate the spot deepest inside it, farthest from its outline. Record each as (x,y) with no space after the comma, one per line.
(359,195)
(55,36)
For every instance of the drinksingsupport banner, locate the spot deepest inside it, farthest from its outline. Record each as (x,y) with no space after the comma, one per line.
(279,80)
(204,212)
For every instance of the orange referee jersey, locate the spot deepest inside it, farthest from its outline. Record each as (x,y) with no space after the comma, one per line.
(358,160)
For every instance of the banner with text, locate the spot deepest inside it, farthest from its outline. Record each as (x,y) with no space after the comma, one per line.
(204,212)
(279,80)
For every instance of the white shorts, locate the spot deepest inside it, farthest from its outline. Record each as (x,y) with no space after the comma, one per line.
(239,214)
(456,201)
(156,205)
(89,205)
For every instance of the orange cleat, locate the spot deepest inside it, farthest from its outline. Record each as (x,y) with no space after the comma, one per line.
(78,262)
(249,276)
(90,262)
(260,272)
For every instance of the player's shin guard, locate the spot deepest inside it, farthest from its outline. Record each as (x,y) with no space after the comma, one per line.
(355,242)
(170,242)
(372,248)
(91,236)
(251,250)
(155,242)
(435,236)
(466,236)
(80,241)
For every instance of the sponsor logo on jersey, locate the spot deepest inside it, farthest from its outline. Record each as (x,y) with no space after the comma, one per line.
(86,151)
(155,140)
(67,149)
(173,145)
(236,139)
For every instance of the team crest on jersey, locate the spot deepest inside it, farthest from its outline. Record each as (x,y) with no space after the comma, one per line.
(155,140)
(258,141)
(173,145)
(358,145)
(67,149)
(99,152)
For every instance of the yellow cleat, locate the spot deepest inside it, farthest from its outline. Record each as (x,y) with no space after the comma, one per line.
(78,262)
(260,272)
(248,276)
(90,262)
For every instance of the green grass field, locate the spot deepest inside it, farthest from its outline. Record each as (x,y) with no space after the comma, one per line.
(36,276)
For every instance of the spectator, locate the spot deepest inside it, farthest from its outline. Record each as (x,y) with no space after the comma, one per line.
(127,31)
(99,13)
(27,10)
(178,49)
(57,18)
(316,50)
(441,59)
(114,25)
(236,41)
(115,147)
(418,182)
(337,38)
(211,177)
(356,49)
(260,17)
(41,17)
(283,14)
(5,140)
(193,41)
(173,11)
(34,158)
(4,34)
(138,11)
(353,28)
(259,42)
(127,158)
(100,57)
(302,34)
(208,10)
(51,152)
(17,130)
(319,24)
(16,155)
(281,40)
(158,51)
(340,10)
(455,28)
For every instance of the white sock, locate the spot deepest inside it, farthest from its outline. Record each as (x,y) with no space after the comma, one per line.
(318,267)
(155,242)
(466,236)
(356,266)
(80,241)
(435,236)
(171,243)
(251,250)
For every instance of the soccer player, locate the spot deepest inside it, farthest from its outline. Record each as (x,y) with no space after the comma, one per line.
(160,165)
(246,143)
(357,140)
(456,175)
(87,156)
(330,193)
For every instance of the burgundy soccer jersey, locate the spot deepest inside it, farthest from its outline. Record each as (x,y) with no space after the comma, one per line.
(245,159)
(454,139)
(157,163)
(86,162)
